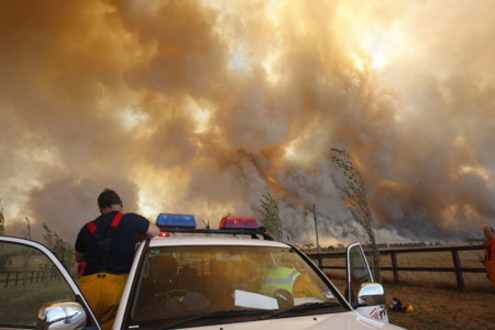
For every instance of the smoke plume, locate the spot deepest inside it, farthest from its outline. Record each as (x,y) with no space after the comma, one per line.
(203,106)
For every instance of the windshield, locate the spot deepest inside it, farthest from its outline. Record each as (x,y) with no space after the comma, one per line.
(197,285)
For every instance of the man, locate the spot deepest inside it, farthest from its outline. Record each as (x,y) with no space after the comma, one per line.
(106,247)
(489,259)
(285,282)
(290,279)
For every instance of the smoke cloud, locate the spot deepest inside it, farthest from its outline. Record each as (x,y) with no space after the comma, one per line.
(203,106)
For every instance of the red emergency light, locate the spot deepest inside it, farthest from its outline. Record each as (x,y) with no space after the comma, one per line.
(238,223)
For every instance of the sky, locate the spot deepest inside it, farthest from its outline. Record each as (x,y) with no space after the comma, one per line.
(202,107)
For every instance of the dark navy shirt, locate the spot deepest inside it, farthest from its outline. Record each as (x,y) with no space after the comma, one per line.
(122,248)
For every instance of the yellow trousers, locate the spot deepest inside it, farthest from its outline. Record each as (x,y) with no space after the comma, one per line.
(103,292)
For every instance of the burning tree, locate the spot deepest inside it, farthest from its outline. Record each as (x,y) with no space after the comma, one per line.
(355,195)
(270,216)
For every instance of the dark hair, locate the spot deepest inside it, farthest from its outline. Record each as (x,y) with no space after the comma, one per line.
(108,198)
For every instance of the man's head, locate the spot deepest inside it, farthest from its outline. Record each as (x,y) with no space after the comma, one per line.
(109,201)
(489,231)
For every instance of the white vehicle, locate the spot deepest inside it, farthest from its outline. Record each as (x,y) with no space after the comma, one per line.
(232,278)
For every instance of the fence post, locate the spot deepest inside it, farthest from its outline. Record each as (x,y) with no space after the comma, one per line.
(320,262)
(7,280)
(393,255)
(458,271)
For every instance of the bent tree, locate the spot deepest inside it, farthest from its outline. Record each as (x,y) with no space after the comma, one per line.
(355,196)
(2,221)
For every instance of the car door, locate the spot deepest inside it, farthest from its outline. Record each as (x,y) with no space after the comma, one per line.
(365,296)
(37,291)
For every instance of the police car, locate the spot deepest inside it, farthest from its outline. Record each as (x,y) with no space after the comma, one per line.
(235,277)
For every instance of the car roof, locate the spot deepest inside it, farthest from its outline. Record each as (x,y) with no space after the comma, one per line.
(195,240)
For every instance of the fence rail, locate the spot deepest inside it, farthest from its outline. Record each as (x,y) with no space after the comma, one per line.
(395,268)
(21,278)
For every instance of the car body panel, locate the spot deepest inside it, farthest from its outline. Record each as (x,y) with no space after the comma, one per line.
(342,321)
(190,240)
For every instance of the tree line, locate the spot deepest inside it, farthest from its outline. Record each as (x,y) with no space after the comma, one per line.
(60,248)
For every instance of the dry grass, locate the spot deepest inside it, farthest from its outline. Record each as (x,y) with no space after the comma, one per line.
(24,301)
(436,300)
(437,308)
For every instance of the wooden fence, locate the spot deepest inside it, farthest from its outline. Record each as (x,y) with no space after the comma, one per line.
(21,278)
(396,268)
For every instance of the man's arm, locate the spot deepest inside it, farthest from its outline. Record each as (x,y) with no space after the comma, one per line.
(79,246)
(153,230)
(80,256)
(304,287)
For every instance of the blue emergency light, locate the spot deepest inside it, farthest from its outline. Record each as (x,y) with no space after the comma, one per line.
(168,220)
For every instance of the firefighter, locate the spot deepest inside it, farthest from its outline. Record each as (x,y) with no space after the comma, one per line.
(105,247)
(288,279)
(489,260)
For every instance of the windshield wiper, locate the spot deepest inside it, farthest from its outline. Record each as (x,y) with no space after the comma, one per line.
(302,309)
(217,314)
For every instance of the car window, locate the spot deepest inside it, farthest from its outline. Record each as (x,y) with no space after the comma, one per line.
(28,279)
(179,282)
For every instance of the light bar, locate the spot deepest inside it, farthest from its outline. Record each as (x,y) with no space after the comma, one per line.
(238,223)
(169,220)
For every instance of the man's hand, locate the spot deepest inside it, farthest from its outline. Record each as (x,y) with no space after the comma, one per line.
(153,230)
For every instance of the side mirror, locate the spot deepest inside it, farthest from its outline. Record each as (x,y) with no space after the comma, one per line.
(371,294)
(61,315)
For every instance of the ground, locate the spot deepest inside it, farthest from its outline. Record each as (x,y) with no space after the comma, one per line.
(439,308)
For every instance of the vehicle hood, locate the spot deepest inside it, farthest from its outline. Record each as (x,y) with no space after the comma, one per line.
(341,321)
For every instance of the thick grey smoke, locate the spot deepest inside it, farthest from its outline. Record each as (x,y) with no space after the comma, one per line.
(203,106)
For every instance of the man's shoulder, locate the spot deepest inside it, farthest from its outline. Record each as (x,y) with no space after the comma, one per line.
(135,220)
(132,215)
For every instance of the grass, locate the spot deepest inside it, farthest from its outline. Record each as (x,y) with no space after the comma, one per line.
(24,301)
(440,308)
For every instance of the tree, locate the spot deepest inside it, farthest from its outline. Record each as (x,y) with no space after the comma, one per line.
(62,250)
(48,236)
(308,246)
(355,195)
(2,221)
(27,232)
(270,216)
